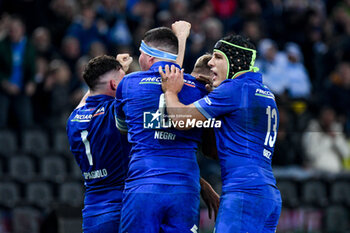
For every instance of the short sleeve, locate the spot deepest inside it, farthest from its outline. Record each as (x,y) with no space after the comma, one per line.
(224,99)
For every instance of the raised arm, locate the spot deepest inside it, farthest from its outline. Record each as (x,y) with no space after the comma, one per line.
(182,31)
(82,101)
(125,60)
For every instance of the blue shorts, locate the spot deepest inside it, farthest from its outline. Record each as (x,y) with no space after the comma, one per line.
(103,223)
(163,211)
(242,212)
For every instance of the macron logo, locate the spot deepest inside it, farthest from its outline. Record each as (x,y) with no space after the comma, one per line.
(194,228)
(207,100)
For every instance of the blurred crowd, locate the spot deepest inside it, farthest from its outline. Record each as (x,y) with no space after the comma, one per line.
(303,53)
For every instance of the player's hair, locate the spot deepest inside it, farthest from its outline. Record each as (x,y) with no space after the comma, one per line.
(97,67)
(239,58)
(162,38)
(201,66)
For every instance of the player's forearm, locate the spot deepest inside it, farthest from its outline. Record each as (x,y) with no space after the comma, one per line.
(182,30)
(182,48)
(179,112)
(83,100)
(176,110)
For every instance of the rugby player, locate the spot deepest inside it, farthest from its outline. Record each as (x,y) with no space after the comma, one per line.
(162,188)
(247,109)
(97,145)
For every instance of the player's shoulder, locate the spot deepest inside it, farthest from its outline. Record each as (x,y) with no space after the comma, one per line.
(132,77)
(191,81)
(139,77)
(72,115)
(134,74)
(74,120)
(248,80)
(101,106)
(229,85)
(228,89)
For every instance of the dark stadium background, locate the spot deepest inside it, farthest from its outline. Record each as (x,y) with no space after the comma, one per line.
(41,189)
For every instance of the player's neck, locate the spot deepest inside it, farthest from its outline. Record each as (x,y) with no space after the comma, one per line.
(105,92)
(241,74)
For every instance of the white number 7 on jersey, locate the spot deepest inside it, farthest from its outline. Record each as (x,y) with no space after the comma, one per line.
(269,140)
(86,142)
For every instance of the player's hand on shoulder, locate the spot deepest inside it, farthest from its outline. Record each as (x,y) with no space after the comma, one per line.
(209,87)
(181,28)
(125,60)
(207,80)
(172,79)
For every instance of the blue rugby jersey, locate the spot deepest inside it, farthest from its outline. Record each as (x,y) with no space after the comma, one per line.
(101,153)
(246,139)
(159,154)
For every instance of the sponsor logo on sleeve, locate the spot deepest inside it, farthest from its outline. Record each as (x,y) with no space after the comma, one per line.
(264,93)
(88,117)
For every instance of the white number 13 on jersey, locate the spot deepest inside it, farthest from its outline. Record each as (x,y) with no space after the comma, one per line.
(271,114)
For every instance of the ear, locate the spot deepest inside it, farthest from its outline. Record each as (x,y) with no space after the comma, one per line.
(151,60)
(113,84)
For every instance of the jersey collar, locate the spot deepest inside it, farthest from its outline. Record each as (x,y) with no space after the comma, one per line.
(255,76)
(155,66)
(98,98)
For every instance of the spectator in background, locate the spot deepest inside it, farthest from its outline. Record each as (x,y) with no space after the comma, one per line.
(86,29)
(224,9)
(164,18)
(97,49)
(17,72)
(78,86)
(4,25)
(205,33)
(272,12)
(60,16)
(253,30)
(41,39)
(52,99)
(294,14)
(272,64)
(251,10)
(298,83)
(141,12)
(196,42)
(213,31)
(286,148)
(325,144)
(108,10)
(42,66)
(70,51)
(314,49)
(60,95)
(339,93)
(112,12)
(341,20)
(179,9)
